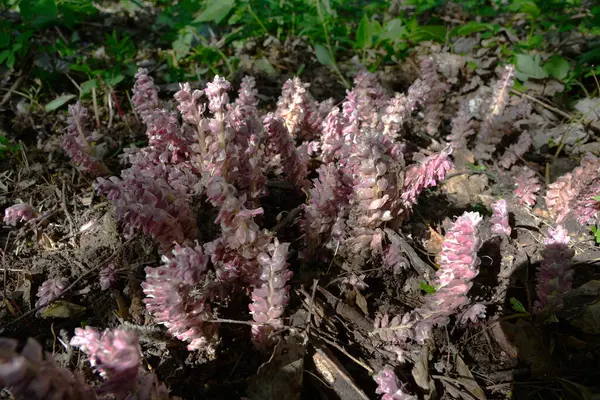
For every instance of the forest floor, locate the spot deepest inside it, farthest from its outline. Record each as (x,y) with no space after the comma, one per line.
(328,349)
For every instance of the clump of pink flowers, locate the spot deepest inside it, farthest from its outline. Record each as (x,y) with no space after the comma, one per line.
(33,374)
(116,356)
(459,265)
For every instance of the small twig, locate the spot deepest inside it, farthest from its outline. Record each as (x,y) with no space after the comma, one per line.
(63,204)
(13,89)
(349,313)
(456,383)
(110,111)
(424,269)
(489,175)
(95,103)
(545,105)
(287,219)
(311,306)
(350,356)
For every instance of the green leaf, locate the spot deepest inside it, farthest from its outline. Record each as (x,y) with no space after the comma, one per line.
(327,6)
(429,32)
(113,80)
(517,305)
(183,44)
(58,102)
(4,55)
(426,287)
(474,167)
(471,27)
(364,36)
(216,11)
(38,11)
(557,67)
(529,67)
(375,28)
(10,62)
(597,198)
(526,7)
(596,233)
(393,30)
(533,42)
(262,64)
(87,86)
(324,56)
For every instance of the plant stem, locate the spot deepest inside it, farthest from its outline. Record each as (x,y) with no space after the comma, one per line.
(264,28)
(335,67)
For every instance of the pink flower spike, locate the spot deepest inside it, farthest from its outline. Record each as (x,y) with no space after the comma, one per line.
(500,225)
(527,185)
(555,276)
(427,173)
(50,289)
(168,297)
(145,96)
(389,386)
(17,213)
(116,356)
(34,374)
(271,297)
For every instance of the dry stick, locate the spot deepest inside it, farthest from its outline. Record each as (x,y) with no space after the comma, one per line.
(456,383)
(545,105)
(67,290)
(350,356)
(63,204)
(5,264)
(287,219)
(12,89)
(346,311)
(312,305)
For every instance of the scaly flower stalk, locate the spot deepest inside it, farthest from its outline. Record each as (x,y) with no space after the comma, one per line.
(572,193)
(389,386)
(77,141)
(516,151)
(489,135)
(270,298)
(281,142)
(527,185)
(145,96)
(458,267)
(427,173)
(168,298)
(500,225)
(462,127)
(555,275)
(50,289)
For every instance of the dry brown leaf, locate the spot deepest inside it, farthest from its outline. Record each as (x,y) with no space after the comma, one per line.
(466,188)
(433,245)
(467,380)
(281,376)
(361,302)
(420,370)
